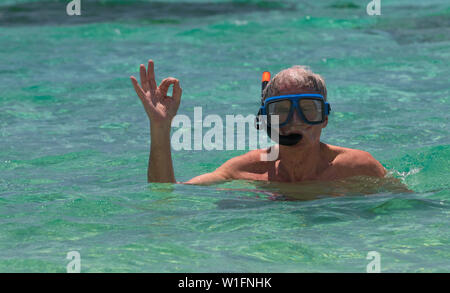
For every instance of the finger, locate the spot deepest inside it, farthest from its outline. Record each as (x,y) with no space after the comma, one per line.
(165,84)
(144,80)
(151,75)
(137,88)
(177,91)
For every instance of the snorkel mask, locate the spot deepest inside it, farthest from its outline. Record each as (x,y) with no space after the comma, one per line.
(311,108)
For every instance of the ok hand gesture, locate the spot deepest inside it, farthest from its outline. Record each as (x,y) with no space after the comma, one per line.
(160,107)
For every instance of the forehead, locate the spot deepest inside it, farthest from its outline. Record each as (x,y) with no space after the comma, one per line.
(295,90)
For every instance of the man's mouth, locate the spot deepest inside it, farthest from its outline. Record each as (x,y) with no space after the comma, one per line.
(291,139)
(288,138)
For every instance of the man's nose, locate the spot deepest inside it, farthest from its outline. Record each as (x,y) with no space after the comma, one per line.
(296,120)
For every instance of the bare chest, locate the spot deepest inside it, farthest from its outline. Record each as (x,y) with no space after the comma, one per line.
(273,173)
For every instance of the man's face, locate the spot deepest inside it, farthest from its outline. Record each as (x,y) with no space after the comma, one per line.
(310,133)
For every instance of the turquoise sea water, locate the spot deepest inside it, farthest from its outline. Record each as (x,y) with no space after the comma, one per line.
(74,138)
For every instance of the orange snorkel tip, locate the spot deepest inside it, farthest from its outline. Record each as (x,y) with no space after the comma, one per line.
(266,76)
(265,81)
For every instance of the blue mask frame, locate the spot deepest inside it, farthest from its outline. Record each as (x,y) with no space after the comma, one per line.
(296,105)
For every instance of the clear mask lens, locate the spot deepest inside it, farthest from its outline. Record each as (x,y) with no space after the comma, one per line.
(312,110)
(280,108)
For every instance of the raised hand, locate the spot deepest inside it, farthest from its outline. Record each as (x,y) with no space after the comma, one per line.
(160,107)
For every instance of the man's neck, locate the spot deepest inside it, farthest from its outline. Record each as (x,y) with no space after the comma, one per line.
(300,163)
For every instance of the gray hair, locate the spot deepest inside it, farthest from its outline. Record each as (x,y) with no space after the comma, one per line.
(300,76)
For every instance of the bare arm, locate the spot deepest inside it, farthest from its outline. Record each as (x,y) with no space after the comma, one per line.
(160,166)
(222,173)
(208,178)
(234,168)
(160,110)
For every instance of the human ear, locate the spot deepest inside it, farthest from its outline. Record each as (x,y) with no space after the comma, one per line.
(325,123)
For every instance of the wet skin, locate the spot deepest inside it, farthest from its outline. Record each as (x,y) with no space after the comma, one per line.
(309,159)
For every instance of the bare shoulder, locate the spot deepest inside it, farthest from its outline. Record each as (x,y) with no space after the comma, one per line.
(354,162)
(239,167)
(243,166)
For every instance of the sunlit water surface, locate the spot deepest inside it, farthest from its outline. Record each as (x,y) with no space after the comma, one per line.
(74,138)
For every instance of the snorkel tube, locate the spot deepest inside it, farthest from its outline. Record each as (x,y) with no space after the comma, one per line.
(287,140)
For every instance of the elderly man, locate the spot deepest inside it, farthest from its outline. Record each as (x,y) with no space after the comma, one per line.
(298,97)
